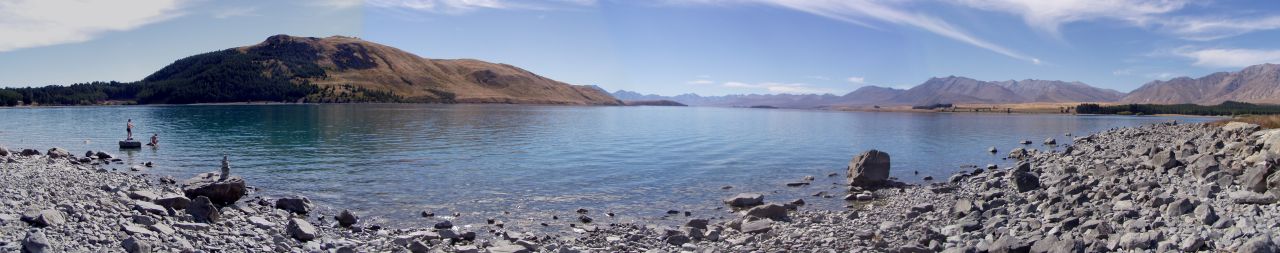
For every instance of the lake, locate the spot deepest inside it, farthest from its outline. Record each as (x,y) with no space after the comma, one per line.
(391,161)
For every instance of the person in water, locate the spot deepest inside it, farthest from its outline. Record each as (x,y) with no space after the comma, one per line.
(129,130)
(155,140)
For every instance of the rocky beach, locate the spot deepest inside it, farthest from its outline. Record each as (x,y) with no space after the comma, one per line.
(1156,188)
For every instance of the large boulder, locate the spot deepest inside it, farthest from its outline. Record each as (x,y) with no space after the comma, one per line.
(869,168)
(4,151)
(1204,165)
(35,242)
(296,204)
(1018,153)
(58,153)
(30,152)
(745,200)
(221,192)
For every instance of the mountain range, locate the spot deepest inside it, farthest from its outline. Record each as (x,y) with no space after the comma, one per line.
(943,90)
(1259,84)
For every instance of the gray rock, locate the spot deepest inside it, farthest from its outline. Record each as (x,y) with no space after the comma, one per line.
(44,218)
(1018,153)
(1258,244)
(220,192)
(745,200)
(1179,207)
(444,225)
(768,211)
(1024,181)
(133,245)
(1050,141)
(261,223)
(148,207)
(1255,178)
(35,242)
(1248,197)
(1240,127)
(296,204)
(1134,240)
(697,223)
(346,218)
(757,226)
(1163,160)
(174,202)
(870,168)
(203,210)
(1206,214)
(58,153)
(301,229)
(29,152)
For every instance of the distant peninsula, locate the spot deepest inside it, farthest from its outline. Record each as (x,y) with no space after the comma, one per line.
(335,69)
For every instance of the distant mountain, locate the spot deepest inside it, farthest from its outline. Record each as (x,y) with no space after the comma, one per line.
(1253,84)
(871,95)
(1059,91)
(944,90)
(776,100)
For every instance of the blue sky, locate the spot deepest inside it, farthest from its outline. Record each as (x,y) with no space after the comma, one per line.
(710,47)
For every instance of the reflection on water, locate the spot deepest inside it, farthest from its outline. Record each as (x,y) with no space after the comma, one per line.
(394,160)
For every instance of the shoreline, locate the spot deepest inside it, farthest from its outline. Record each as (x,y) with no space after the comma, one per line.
(1121,189)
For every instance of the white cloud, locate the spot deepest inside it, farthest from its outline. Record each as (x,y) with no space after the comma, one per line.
(463,6)
(235,12)
(37,23)
(1212,28)
(780,88)
(701,81)
(1228,57)
(858,12)
(336,4)
(857,80)
(1049,15)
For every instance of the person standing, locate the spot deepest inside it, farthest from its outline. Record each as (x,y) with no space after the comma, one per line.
(129,130)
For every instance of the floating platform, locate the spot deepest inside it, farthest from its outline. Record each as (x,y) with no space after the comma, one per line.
(130,144)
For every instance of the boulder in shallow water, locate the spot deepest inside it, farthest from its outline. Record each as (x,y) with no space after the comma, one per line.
(1018,153)
(870,168)
(346,218)
(220,192)
(745,200)
(296,204)
(30,152)
(1050,141)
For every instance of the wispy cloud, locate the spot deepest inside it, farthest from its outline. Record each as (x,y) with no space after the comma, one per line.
(859,12)
(857,80)
(1228,57)
(1213,28)
(780,88)
(701,81)
(236,12)
(463,6)
(1166,16)
(1049,15)
(37,23)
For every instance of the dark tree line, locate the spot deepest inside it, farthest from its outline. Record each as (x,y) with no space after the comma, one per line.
(1226,108)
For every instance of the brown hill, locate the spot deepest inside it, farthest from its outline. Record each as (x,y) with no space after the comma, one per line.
(343,66)
(1253,84)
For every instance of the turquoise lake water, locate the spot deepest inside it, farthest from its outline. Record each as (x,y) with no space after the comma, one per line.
(390,161)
